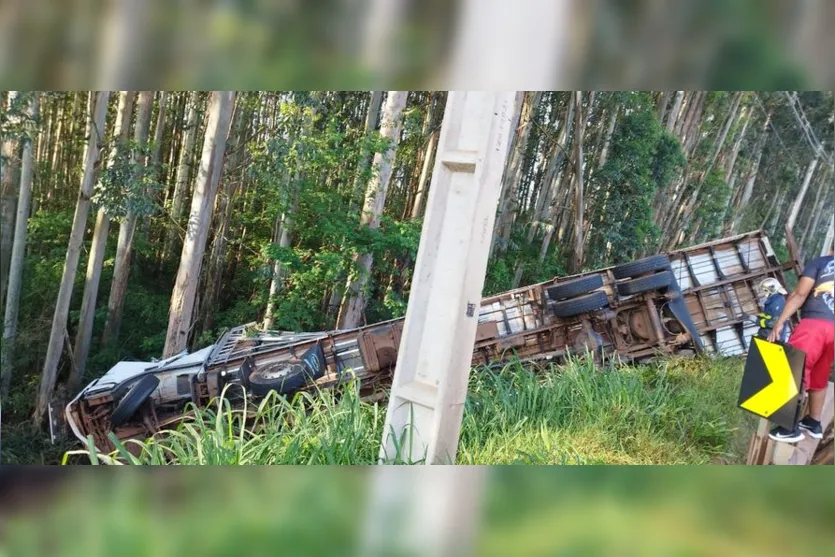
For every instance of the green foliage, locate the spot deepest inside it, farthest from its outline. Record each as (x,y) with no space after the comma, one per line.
(643,158)
(710,211)
(128,185)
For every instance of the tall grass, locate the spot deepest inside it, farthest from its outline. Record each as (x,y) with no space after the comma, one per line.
(681,411)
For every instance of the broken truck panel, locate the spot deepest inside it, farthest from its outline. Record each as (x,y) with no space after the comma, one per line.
(695,299)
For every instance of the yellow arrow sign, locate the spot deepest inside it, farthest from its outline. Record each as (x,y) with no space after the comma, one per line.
(782,387)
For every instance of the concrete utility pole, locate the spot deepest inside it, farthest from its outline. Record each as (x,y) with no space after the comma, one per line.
(430,382)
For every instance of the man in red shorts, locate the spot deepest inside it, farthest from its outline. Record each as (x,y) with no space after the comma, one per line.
(814,335)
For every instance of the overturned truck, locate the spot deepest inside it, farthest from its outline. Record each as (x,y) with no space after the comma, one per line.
(695,300)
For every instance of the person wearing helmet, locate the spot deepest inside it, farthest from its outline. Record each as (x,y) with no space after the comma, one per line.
(772,300)
(814,335)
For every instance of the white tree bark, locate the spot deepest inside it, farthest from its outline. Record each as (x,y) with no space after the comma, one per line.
(813,216)
(544,210)
(428,158)
(8,196)
(830,236)
(748,190)
(795,210)
(16,262)
(672,118)
(96,258)
(188,274)
(353,305)
(159,127)
(62,304)
(690,206)
(372,116)
(579,202)
(610,130)
(127,228)
(225,202)
(513,173)
(182,174)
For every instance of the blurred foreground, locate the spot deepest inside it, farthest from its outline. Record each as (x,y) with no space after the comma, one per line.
(347,44)
(524,511)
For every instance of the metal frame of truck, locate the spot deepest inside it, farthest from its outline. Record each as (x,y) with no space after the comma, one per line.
(705,308)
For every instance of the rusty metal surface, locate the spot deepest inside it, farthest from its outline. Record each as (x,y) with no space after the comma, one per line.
(717,280)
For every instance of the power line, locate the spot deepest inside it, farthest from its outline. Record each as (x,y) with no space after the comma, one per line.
(774,129)
(806,127)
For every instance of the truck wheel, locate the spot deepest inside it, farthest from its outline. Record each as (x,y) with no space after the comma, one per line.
(583,304)
(572,288)
(133,399)
(645,284)
(283,377)
(641,267)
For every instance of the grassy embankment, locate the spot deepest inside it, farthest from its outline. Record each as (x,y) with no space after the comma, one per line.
(680,411)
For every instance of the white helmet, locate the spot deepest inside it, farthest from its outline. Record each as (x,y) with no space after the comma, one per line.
(770,286)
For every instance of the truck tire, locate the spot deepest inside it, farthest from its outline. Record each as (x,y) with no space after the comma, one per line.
(283,378)
(573,288)
(641,267)
(646,283)
(583,304)
(133,399)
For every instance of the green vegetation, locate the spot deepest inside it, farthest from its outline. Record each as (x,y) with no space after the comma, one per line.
(680,411)
(532,511)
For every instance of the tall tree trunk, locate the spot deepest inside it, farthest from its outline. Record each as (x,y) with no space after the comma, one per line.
(690,206)
(225,204)
(795,210)
(429,155)
(275,281)
(734,114)
(513,170)
(662,104)
(372,116)
(286,222)
(828,239)
(72,134)
(568,178)
(816,210)
(185,287)
(690,133)
(543,209)
(9,185)
(127,228)
(748,190)
(159,129)
(774,212)
(352,308)
(610,130)
(155,157)
(729,168)
(96,257)
(56,146)
(672,118)
(579,202)
(181,183)
(688,101)
(62,304)
(18,249)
